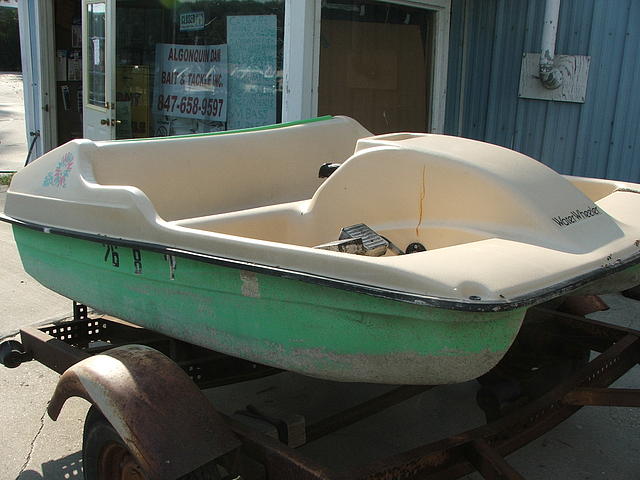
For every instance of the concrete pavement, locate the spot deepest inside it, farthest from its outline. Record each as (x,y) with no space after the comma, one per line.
(596,443)
(32,445)
(13,139)
(26,301)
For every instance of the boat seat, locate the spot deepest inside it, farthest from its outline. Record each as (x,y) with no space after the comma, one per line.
(224,173)
(276,223)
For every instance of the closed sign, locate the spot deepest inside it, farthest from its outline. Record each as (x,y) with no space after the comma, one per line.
(191,21)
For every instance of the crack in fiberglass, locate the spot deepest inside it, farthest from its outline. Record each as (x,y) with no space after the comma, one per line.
(422,195)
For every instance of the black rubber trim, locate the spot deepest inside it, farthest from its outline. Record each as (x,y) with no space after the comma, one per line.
(535,297)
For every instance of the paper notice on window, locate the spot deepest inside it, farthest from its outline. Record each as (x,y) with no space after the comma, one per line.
(253,54)
(96,50)
(190,81)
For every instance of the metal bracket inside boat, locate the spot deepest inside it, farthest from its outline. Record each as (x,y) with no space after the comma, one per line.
(348,245)
(358,239)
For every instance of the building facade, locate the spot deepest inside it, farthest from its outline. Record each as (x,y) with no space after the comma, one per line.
(115,69)
(597,137)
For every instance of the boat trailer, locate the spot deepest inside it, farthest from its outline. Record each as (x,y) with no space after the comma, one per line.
(514,419)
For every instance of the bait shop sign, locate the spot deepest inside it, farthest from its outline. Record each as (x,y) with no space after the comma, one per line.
(191,81)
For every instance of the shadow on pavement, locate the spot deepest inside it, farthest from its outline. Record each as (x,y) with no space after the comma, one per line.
(66,468)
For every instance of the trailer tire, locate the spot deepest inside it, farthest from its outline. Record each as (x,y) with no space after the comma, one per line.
(105,455)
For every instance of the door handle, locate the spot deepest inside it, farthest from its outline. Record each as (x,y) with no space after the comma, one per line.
(104,121)
(115,122)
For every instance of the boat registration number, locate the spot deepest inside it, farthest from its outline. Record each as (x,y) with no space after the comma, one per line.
(113,255)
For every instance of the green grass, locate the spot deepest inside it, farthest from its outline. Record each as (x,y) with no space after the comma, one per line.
(5,178)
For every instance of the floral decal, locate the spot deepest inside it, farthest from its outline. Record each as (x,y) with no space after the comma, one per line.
(58,177)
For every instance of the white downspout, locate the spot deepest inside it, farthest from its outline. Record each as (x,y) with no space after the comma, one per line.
(550,76)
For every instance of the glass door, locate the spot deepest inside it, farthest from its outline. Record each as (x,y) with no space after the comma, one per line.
(98,61)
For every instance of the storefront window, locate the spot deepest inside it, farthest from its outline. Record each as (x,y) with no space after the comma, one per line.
(197,66)
(376,64)
(96,18)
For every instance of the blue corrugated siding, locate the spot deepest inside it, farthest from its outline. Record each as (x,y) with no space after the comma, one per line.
(598,138)
(456,49)
(625,145)
(477,69)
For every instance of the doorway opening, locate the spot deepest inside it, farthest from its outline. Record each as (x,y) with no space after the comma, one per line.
(376,64)
(68,69)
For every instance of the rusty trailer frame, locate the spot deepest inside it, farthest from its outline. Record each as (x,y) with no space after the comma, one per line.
(483,449)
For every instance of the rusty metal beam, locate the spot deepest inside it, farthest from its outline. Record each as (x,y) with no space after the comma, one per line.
(548,411)
(363,410)
(483,448)
(60,345)
(489,463)
(598,335)
(279,460)
(54,353)
(633,293)
(604,397)
(582,305)
(446,459)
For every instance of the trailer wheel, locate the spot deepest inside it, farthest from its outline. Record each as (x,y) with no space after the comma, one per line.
(105,455)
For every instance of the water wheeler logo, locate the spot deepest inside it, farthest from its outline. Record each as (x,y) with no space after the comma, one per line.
(58,177)
(576,216)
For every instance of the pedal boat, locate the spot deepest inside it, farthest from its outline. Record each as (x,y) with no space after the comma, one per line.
(210,239)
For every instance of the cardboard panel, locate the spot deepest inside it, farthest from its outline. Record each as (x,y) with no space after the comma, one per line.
(375,73)
(133,97)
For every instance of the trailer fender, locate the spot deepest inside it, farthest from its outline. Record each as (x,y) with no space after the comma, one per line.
(165,420)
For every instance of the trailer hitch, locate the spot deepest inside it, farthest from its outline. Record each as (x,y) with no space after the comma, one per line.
(12,354)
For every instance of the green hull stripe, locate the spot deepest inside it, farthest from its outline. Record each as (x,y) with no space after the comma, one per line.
(278,321)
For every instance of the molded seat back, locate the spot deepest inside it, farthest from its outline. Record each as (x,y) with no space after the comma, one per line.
(204,175)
